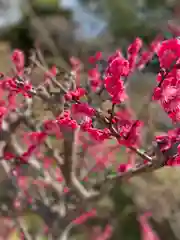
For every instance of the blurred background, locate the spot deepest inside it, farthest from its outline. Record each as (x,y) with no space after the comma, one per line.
(80,27)
(65,28)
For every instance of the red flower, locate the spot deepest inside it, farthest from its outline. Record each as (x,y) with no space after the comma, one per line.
(115,88)
(147,55)
(66,122)
(169,52)
(18,60)
(135,47)
(75,95)
(122,167)
(99,135)
(95,58)
(83,108)
(118,66)
(94,77)
(157,94)
(132,53)
(130,132)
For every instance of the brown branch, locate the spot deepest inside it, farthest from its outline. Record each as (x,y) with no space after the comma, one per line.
(70,163)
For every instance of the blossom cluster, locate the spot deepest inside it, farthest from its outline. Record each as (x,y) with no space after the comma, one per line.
(76,113)
(119,68)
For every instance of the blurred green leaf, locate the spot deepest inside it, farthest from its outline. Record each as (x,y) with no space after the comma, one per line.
(49,3)
(46,7)
(127,225)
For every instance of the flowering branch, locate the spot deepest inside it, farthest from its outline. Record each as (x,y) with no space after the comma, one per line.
(77,125)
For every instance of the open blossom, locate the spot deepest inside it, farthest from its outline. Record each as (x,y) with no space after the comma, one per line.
(51,128)
(168,144)
(128,129)
(168,93)
(118,66)
(83,108)
(9,84)
(97,134)
(174,161)
(115,88)
(170,79)
(66,122)
(169,52)
(130,133)
(75,95)
(82,113)
(86,124)
(164,142)
(36,137)
(169,98)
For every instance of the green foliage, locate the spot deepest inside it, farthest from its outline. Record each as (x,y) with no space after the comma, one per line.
(127,225)
(128,18)
(46,3)
(49,7)
(124,21)
(153,4)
